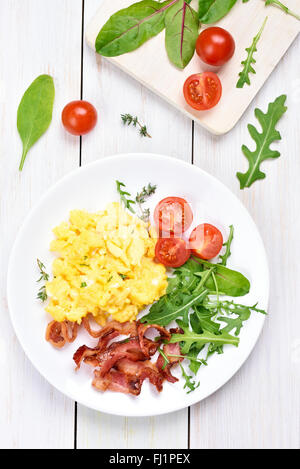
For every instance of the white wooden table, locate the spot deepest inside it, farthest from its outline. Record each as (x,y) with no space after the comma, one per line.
(260,406)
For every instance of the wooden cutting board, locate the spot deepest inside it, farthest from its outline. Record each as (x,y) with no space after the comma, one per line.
(151,67)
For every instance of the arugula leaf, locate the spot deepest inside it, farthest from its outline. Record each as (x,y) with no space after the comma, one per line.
(228,243)
(202,320)
(211,11)
(182,25)
(35,113)
(191,338)
(263,141)
(188,381)
(129,28)
(242,313)
(169,308)
(124,195)
(283,8)
(244,74)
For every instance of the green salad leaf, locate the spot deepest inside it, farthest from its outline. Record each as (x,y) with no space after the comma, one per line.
(283,8)
(35,113)
(263,141)
(129,28)
(224,258)
(182,25)
(211,11)
(190,338)
(248,68)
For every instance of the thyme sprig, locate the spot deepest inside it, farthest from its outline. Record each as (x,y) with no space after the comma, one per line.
(142,197)
(42,293)
(128,119)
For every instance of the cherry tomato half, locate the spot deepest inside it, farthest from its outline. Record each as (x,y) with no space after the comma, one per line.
(206,241)
(172,252)
(203,91)
(215,46)
(79,117)
(173,215)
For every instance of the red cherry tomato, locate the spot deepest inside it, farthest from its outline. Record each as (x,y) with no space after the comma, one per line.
(215,46)
(206,241)
(173,215)
(79,117)
(172,252)
(203,91)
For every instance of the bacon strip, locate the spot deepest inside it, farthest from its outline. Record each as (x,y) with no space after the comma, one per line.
(117,381)
(126,328)
(60,333)
(143,328)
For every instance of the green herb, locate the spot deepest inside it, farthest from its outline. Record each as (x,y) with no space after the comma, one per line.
(42,293)
(241,312)
(83,285)
(192,339)
(211,11)
(283,7)
(169,308)
(248,68)
(128,119)
(229,282)
(166,360)
(191,385)
(123,195)
(263,141)
(123,277)
(142,197)
(228,243)
(35,113)
(182,25)
(129,28)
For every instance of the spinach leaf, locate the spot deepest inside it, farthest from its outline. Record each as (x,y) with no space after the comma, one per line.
(230,282)
(182,25)
(263,141)
(211,11)
(128,29)
(191,338)
(35,112)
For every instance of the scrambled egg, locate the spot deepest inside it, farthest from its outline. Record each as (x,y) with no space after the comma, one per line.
(106,267)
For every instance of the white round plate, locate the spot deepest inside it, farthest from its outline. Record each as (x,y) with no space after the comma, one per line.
(91,188)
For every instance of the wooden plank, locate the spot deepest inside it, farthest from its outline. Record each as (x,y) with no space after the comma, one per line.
(37,37)
(150,66)
(114,93)
(260,407)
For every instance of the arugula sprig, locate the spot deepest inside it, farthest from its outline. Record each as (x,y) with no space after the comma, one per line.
(224,258)
(283,8)
(42,293)
(124,196)
(250,61)
(140,199)
(263,141)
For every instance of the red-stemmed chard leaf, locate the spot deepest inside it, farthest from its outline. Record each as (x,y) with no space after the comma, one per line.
(182,28)
(128,29)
